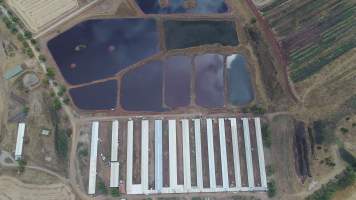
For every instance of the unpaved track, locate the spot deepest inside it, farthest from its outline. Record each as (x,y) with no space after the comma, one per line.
(13,189)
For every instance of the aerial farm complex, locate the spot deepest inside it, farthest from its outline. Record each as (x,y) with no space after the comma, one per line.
(166,156)
(177,99)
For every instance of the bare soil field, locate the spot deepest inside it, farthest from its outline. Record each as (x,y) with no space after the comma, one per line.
(165,149)
(255,160)
(205,154)
(11,188)
(230,154)
(242,155)
(217,156)
(180,166)
(281,157)
(151,156)
(193,161)
(136,165)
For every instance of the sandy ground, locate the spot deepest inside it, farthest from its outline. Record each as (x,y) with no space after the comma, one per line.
(13,189)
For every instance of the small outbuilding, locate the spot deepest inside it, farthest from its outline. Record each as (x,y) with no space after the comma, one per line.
(30,80)
(12,72)
(19,141)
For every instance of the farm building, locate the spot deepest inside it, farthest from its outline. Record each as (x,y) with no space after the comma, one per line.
(93,157)
(184,155)
(9,74)
(19,141)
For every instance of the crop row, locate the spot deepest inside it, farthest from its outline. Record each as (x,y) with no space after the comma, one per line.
(305,72)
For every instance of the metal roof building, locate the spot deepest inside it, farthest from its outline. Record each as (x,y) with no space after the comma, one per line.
(9,74)
(93,157)
(114,175)
(115,141)
(19,141)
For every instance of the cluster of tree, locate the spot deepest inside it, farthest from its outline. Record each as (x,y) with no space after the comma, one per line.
(272,189)
(61,143)
(21,165)
(340,182)
(12,23)
(266,136)
(255,109)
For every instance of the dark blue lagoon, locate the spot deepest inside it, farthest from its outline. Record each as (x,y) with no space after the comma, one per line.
(185,34)
(97,49)
(98,96)
(209,80)
(182,6)
(239,81)
(141,89)
(178,70)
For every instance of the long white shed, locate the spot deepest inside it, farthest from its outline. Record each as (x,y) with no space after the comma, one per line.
(19,141)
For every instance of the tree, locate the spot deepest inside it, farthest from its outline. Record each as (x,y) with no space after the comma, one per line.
(50,73)
(13,29)
(102,187)
(29,52)
(266,136)
(348,178)
(42,58)
(115,192)
(344,130)
(61,143)
(57,105)
(66,100)
(28,35)
(25,109)
(20,37)
(62,90)
(272,189)
(270,170)
(258,110)
(21,165)
(33,41)
(253,20)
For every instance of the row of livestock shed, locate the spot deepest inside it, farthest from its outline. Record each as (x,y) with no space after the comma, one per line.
(214,155)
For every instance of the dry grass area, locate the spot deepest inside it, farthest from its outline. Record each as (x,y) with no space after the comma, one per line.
(11,188)
(324,93)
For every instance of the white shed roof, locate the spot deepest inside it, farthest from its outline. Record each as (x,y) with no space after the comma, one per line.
(114,175)
(115,141)
(93,157)
(19,141)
